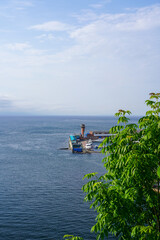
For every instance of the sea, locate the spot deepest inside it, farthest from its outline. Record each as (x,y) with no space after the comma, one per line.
(40,184)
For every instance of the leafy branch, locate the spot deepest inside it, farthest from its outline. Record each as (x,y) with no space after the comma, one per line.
(127,196)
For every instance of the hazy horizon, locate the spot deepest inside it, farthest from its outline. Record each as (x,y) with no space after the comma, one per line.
(34,115)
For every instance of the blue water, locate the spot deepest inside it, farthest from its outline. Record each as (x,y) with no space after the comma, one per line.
(40,185)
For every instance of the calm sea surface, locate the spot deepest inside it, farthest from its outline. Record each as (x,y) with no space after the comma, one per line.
(40,185)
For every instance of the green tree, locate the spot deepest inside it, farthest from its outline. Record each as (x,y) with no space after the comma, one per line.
(126,197)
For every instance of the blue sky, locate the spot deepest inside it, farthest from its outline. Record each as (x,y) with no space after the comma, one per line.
(85,57)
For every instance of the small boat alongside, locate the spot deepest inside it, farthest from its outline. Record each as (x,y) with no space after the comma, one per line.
(89,145)
(99,140)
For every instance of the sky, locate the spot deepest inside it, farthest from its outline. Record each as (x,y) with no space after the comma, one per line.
(78,57)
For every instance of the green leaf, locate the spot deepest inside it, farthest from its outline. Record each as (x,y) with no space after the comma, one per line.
(71,237)
(158,171)
(90,175)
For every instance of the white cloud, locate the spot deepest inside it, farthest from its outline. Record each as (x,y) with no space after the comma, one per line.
(100,4)
(112,31)
(139,19)
(105,35)
(22,3)
(18,46)
(5,102)
(10,104)
(51,26)
(106,57)
(96,6)
(86,15)
(143,19)
(44,37)
(101,36)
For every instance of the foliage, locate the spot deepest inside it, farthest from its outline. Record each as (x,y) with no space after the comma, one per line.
(71,237)
(126,197)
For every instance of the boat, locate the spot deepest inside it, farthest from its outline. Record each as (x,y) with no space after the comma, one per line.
(98,140)
(89,144)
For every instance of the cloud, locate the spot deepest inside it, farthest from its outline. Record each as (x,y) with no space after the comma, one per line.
(138,19)
(22,4)
(100,4)
(112,31)
(108,53)
(102,36)
(96,6)
(51,26)
(5,103)
(44,37)
(142,19)
(7,10)
(86,16)
(18,46)
(10,105)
